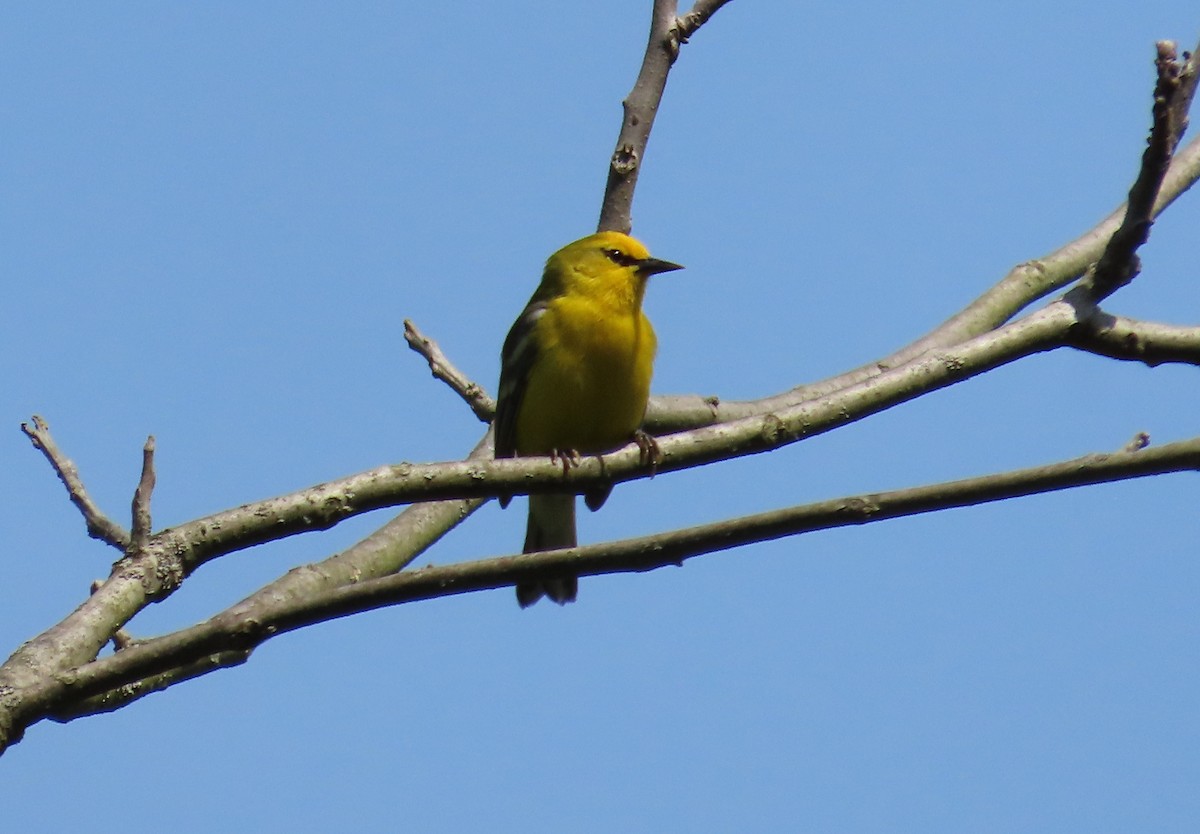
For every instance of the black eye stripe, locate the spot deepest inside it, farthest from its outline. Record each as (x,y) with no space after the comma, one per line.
(619,257)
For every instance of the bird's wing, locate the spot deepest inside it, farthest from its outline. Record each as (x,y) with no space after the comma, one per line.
(517,358)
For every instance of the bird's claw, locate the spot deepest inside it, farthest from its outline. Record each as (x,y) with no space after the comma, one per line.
(569,458)
(648,452)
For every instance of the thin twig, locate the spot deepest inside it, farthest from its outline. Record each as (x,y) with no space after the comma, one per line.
(114,699)
(1172,98)
(140,533)
(481,404)
(1150,342)
(99,525)
(1138,442)
(701,11)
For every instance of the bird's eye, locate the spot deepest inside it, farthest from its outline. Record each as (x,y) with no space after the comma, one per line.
(621,258)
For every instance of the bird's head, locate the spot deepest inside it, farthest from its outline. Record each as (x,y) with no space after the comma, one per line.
(605,262)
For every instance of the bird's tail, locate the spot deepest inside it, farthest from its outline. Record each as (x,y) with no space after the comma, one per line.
(551,526)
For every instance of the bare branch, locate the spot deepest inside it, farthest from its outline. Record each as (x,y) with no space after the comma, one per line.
(120,638)
(141,498)
(327,504)
(57,674)
(481,404)
(641,106)
(1172,99)
(173,553)
(687,24)
(1138,442)
(99,526)
(1153,343)
(226,633)
(79,637)
(383,553)
(1024,284)
(114,699)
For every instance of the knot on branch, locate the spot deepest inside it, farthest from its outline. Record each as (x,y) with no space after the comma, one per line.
(1138,442)
(625,160)
(675,38)
(773,430)
(953,363)
(159,573)
(859,508)
(246,634)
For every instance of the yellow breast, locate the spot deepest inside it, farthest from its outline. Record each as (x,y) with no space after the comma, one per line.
(588,391)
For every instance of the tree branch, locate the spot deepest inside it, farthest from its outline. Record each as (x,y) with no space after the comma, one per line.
(154,571)
(113,699)
(325,505)
(480,403)
(383,553)
(99,525)
(1022,286)
(1149,342)
(225,634)
(641,106)
(687,24)
(98,619)
(140,533)
(172,554)
(1172,98)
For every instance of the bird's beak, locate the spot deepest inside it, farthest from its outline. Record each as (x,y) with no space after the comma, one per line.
(653,266)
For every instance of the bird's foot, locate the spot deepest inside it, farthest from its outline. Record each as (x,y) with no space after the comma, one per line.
(648,452)
(569,458)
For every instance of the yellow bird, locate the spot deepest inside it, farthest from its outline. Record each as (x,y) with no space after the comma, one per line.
(575,378)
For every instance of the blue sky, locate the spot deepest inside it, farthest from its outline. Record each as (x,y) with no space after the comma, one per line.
(216,218)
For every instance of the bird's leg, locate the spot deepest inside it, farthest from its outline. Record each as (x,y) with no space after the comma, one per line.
(569,458)
(648,451)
